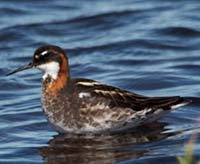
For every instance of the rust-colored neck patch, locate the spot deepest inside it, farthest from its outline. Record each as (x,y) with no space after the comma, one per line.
(62,79)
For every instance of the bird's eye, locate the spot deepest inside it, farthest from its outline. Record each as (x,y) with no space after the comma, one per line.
(42,56)
(37,56)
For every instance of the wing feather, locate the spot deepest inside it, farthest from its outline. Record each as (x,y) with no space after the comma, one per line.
(125,99)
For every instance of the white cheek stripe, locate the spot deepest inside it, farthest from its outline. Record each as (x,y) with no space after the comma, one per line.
(50,69)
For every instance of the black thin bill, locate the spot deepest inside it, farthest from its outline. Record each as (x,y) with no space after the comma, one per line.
(28,66)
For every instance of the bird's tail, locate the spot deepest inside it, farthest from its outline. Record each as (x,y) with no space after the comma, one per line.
(181,102)
(168,103)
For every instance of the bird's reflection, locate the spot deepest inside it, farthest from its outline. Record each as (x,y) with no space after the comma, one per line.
(75,149)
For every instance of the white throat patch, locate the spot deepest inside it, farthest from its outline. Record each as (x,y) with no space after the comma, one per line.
(50,69)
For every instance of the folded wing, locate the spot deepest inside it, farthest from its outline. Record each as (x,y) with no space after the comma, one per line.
(125,99)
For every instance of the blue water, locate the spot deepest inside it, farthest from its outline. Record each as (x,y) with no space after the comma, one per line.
(149,47)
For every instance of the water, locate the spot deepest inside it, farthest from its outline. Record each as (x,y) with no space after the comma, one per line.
(149,47)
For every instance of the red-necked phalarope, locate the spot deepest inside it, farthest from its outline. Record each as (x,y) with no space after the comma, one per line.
(83,105)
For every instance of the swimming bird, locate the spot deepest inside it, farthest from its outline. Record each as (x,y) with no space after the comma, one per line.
(87,106)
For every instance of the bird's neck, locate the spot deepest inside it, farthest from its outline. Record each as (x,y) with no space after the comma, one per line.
(53,85)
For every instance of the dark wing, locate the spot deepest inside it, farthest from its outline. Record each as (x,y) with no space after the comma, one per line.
(126,99)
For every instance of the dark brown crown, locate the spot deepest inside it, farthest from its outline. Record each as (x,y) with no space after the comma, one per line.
(47,54)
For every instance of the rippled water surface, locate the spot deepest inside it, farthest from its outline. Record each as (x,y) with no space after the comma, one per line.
(149,47)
